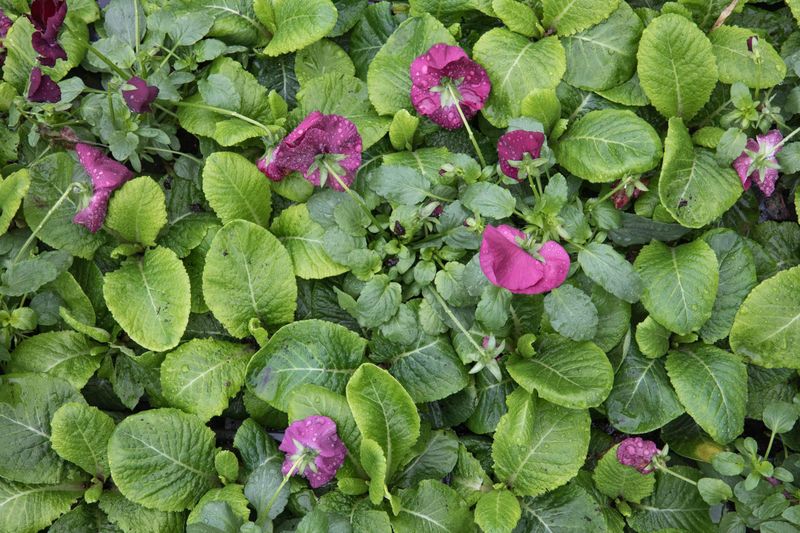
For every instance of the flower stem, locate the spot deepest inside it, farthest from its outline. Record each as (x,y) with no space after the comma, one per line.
(285,480)
(227,112)
(102,57)
(769,445)
(785,139)
(165,151)
(353,194)
(466,125)
(43,222)
(666,470)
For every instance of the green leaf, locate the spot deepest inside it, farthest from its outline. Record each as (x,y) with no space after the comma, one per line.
(642,399)
(304,240)
(712,385)
(567,509)
(608,144)
(489,200)
(497,511)
(202,374)
(652,338)
(149,298)
(516,66)
(609,269)
(680,284)
(79,434)
(616,480)
(261,486)
(676,504)
(384,412)
(571,313)
(402,185)
(571,16)
(714,491)
(321,58)
(162,459)
(378,302)
(737,64)
(604,56)
(402,129)
(370,33)
(299,24)
(437,457)
(235,189)
(519,17)
(676,68)
(27,404)
(686,177)
(766,329)
(255,446)
(431,507)
(568,373)
(31,508)
(307,351)
(389,78)
(374,462)
(232,495)
(248,274)
(133,518)
(448,9)
(138,211)
(539,446)
(63,354)
(12,191)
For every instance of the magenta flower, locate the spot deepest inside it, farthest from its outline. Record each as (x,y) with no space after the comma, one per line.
(43,89)
(107,175)
(324,148)
(638,453)
(314,447)
(512,148)
(507,264)
(443,77)
(5,24)
(758,163)
(47,17)
(621,198)
(141,96)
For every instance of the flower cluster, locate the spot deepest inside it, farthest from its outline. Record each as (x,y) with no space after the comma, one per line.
(638,453)
(313,449)
(107,175)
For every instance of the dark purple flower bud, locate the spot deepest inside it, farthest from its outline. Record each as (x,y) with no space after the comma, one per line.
(389,262)
(443,78)
(107,175)
(42,88)
(437,211)
(313,448)
(752,42)
(638,453)
(621,198)
(399,230)
(513,146)
(141,96)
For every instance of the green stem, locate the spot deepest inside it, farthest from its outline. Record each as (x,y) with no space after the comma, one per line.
(769,445)
(436,197)
(621,185)
(227,112)
(42,223)
(675,474)
(170,53)
(786,139)
(166,151)
(354,195)
(165,110)
(102,57)
(466,125)
(274,497)
(455,320)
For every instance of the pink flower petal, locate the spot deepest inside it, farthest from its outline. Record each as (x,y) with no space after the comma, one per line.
(556,267)
(106,173)
(512,146)
(140,98)
(93,215)
(767,185)
(319,434)
(505,263)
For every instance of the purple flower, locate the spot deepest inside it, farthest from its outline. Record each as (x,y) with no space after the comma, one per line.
(47,17)
(443,77)
(107,175)
(5,24)
(513,146)
(507,264)
(42,89)
(141,96)
(320,146)
(758,163)
(621,197)
(312,444)
(638,453)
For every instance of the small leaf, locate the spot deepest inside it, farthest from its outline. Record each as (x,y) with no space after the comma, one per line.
(571,313)
(713,491)
(79,434)
(431,506)
(652,338)
(489,200)
(497,512)
(235,189)
(304,240)
(737,64)
(609,269)
(138,211)
(374,462)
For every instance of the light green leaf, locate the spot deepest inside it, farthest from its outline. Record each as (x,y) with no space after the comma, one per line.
(606,267)
(737,64)
(31,508)
(384,412)
(607,144)
(321,58)
(389,78)
(248,274)
(133,518)
(12,191)
(64,354)
(231,494)
(255,446)
(79,434)
(680,284)
(652,338)
(235,189)
(571,313)
(569,509)
(568,373)
(448,9)
(629,93)
(298,24)
(686,177)
(516,66)
(162,459)
(676,68)
(676,504)
(304,240)
(766,329)
(374,462)
(200,375)
(571,16)
(138,211)
(436,457)
(149,298)
(431,507)
(303,352)
(402,185)
(488,200)
(519,17)
(262,485)
(616,480)
(378,302)
(497,512)
(402,129)
(539,446)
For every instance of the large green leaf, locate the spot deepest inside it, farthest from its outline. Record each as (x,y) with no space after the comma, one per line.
(384,412)
(570,16)
(133,518)
(642,399)
(676,69)
(138,211)
(303,352)
(571,313)
(389,78)
(680,284)
(568,373)
(299,23)
(79,434)
(516,66)
(569,509)
(712,385)
(606,267)
(64,354)
(304,240)
(766,329)
(607,144)
(431,507)
(162,459)
(604,56)
(370,33)
(436,456)
(31,508)
(676,505)
(736,63)
(235,189)
(200,375)
(12,191)
(248,274)
(448,9)
(255,446)
(149,297)
(688,174)
(539,446)
(497,511)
